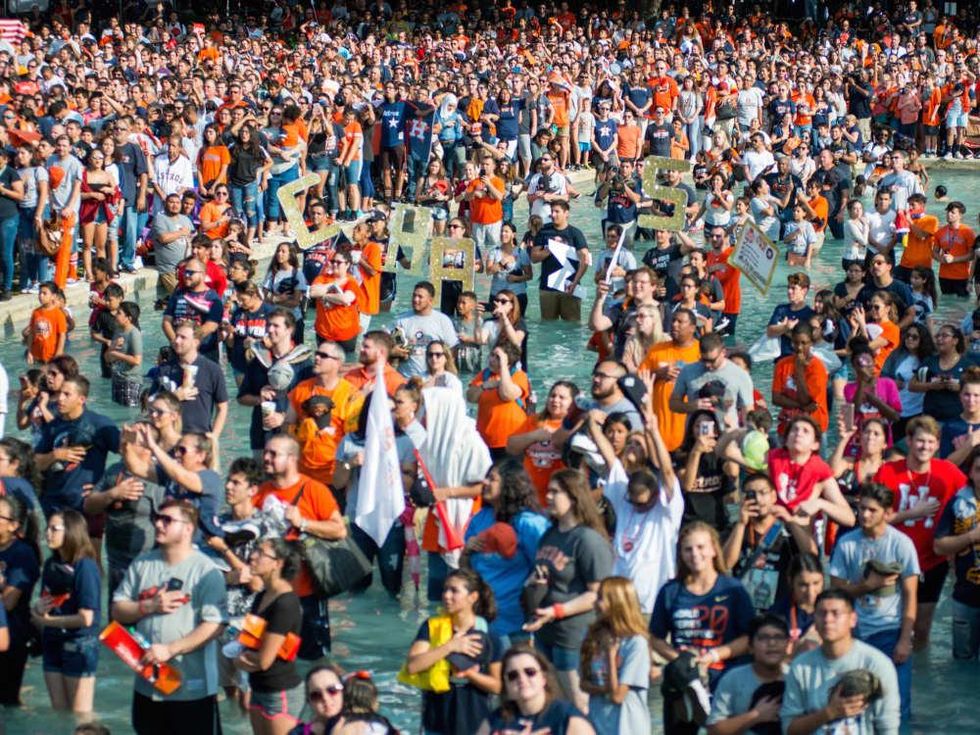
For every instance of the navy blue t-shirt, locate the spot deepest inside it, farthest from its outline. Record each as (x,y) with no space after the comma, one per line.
(81,582)
(131,164)
(63,482)
(702,621)
(208,501)
(952,429)
(200,308)
(782,312)
(508,122)
(605,132)
(21,489)
(256,378)
(19,567)
(392,124)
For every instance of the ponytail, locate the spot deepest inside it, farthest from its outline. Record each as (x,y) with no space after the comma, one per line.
(486,603)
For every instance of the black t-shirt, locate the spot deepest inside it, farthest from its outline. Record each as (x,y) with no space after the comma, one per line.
(837,180)
(553,719)
(570,237)
(860,104)
(707,501)
(666,263)
(244,166)
(765,574)
(283,615)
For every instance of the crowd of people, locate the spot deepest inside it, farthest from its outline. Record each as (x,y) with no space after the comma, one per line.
(771,562)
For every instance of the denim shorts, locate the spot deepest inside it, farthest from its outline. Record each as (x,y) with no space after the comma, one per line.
(285,703)
(563,659)
(353,170)
(75,657)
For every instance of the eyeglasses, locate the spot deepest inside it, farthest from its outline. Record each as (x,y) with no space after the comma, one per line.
(325,356)
(266,554)
(515,674)
(455,227)
(338,261)
(501,301)
(7,518)
(319,695)
(912,335)
(166,520)
(603,376)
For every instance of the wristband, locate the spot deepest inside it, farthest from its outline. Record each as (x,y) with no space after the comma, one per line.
(139,607)
(559,611)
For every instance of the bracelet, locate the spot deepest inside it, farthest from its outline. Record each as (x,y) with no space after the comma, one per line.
(139,607)
(559,611)
(302,525)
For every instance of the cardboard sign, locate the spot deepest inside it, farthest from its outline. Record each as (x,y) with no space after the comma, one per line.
(755,256)
(305,238)
(452,259)
(410,228)
(652,190)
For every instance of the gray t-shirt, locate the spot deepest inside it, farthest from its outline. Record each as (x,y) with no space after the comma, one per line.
(419,331)
(632,717)
(733,696)
(574,559)
(876,612)
(32,176)
(205,585)
(61,194)
(129,343)
(735,380)
(812,675)
(169,255)
(129,531)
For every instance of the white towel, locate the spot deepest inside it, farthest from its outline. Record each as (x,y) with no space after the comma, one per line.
(454,454)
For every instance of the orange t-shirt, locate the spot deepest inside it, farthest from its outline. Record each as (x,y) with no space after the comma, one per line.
(47,325)
(369,299)
(362,375)
(664,93)
(496,419)
(729,276)
(890,332)
(957,242)
(541,459)
(918,249)
(214,211)
(628,142)
(821,207)
(213,159)
(337,322)
(930,110)
(484,209)
(354,137)
(671,424)
(316,504)
(559,103)
(784,382)
(347,401)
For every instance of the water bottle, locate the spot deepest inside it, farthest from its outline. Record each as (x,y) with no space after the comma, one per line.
(532,403)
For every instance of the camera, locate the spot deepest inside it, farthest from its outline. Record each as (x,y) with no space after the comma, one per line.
(544,183)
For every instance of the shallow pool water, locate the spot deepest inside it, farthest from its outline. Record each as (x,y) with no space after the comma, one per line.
(372,632)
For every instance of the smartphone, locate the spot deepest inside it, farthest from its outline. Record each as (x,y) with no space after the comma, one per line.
(175,584)
(750,496)
(706,429)
(848,412)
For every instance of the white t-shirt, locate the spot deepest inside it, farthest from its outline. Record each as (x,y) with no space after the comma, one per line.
(645,543)
(881,228)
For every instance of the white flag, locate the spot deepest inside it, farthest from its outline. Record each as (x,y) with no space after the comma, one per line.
(380,495)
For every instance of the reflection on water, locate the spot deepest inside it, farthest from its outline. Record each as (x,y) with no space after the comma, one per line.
(372,632)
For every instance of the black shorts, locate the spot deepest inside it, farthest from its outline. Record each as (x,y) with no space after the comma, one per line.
(932,582)
(954,287)
(196,716)
(930,130)
(393,157)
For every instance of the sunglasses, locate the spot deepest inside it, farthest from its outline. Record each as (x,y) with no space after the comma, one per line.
(181,449)
(515,674)
(319,695)
(165,520)
(455,227)
(326,356)
(435,354)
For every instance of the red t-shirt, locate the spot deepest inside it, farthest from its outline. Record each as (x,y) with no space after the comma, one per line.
(795,483)
(941,482)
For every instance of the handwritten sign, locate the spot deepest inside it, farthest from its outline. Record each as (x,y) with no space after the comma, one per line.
(305,237)
(410,229)
(755,256)
(452,259)
(668,194)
